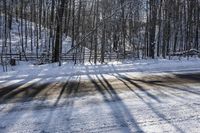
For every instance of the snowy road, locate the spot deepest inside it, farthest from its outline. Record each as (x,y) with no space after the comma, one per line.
(123,103)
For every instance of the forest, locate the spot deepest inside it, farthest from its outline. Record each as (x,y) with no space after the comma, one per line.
(99,66)
(98,29)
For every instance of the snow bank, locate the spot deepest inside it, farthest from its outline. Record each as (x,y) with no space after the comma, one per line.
(30,37)
(28,70)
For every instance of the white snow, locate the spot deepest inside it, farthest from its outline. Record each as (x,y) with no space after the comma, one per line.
(157,109)
(175,111)
(43,42)
(171,110)
(28,70)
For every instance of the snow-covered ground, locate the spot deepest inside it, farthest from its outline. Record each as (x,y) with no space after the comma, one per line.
(29,38)
(28,70)
(129,96)
(138,105)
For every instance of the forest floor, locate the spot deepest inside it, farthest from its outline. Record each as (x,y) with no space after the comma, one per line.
(115,101)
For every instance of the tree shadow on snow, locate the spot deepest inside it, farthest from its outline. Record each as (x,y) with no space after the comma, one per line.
(126,80)
(120,111)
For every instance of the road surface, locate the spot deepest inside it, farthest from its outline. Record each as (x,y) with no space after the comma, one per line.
(120,103)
